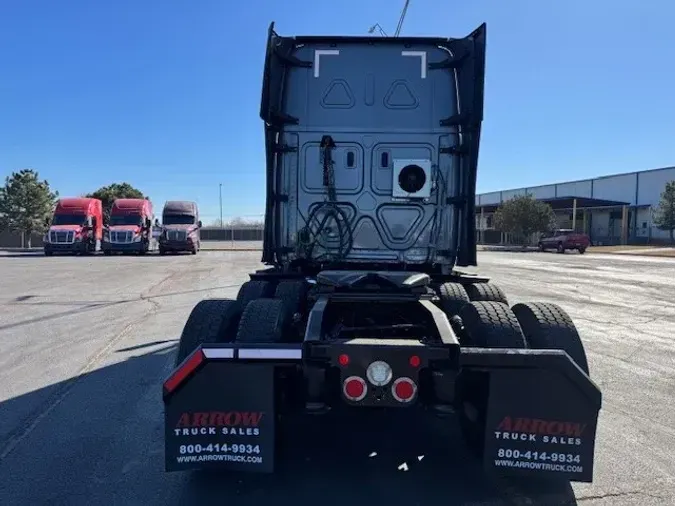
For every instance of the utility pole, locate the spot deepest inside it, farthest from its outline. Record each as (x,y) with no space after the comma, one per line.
(220,194)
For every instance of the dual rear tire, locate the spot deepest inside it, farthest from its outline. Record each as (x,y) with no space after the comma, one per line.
(263,312)
(270,310)
(452,297)
(480,315)
(489,324)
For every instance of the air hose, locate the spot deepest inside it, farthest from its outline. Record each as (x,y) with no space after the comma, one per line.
(308,237)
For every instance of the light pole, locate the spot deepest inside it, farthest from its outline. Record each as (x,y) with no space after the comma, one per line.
(220,195)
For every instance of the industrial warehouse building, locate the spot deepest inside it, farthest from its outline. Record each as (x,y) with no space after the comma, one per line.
(614,209)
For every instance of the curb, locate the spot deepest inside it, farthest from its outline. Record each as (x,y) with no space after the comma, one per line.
(510,249)
(230,249)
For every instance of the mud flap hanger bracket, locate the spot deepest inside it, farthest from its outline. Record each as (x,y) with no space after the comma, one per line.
(553,361)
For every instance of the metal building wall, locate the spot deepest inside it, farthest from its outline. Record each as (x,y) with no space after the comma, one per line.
(575,189)
(641,190)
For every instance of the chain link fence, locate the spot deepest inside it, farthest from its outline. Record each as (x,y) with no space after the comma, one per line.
(233,232)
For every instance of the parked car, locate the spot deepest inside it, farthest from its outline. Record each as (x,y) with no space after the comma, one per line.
(564,239)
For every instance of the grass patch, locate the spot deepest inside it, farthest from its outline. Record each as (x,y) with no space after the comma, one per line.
(670,252)
(652,250)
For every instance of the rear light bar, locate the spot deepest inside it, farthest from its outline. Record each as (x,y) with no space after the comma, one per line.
(201,355)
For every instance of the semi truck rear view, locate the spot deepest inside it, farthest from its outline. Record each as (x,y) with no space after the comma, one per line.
(76,227)
(130,228)
(372,151)
(180,227)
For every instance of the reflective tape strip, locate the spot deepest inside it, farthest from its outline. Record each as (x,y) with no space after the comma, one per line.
(218,352)
(270,354)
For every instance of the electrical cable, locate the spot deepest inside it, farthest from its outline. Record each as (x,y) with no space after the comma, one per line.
(310,238)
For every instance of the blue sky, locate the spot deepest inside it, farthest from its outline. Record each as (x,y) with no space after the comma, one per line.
(165,94)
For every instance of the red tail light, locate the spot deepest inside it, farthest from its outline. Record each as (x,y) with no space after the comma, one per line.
(354,388)
(404,390)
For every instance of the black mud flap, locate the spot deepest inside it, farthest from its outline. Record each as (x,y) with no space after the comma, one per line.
(220,412)
(542,413)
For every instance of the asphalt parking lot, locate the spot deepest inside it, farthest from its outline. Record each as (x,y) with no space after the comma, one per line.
(85,344)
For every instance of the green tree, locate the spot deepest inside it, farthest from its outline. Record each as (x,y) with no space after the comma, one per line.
(523,216)
(108,194)
(664,217)
(26,203)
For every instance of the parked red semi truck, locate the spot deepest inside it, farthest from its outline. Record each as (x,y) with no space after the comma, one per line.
(130,228)
(76,227)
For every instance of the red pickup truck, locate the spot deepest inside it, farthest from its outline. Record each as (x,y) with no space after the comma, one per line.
(564,239)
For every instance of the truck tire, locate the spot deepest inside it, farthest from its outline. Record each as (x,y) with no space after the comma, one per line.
(254,289)
(548,326)
(489,324)
(294,295)
(263,321)
(452,297)
(486,324)
(486,292)
(211,321)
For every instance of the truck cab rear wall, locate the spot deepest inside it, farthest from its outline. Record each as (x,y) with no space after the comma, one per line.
(386,104)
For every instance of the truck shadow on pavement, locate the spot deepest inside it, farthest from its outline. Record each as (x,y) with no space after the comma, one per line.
(372,460)
(97,438)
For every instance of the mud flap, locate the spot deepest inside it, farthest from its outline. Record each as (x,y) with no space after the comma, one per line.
(221,416)
(541,415)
